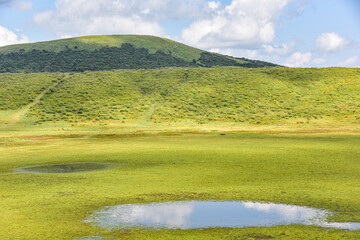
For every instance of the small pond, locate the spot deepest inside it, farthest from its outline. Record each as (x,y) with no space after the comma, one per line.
(205,214)
(66,167)
(90,238)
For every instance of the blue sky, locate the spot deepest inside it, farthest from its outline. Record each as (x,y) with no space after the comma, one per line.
(298,33)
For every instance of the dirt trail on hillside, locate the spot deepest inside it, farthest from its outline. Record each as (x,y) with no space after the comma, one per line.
(17,116)
(146,118)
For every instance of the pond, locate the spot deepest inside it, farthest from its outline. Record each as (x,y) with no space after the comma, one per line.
(91,238)
(206,214)
(66,167)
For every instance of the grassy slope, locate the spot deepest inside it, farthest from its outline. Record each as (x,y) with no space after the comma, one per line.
(18,90)
(95,42)
(317,171)
(235,96)
(265,96)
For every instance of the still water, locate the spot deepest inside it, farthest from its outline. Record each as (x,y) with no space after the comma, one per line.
(66,167)
(205,214)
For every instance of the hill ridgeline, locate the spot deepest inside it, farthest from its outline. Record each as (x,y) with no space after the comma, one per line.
(109,52)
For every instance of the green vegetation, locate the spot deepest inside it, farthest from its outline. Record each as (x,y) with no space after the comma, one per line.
(208,59)
(17,90)
(107,58)
(265,96)
(317,171)
(106,96)
(97,53)
(283,232)
(163,126)
(270,96)
(91,43)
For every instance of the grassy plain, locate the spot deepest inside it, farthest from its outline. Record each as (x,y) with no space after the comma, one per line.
(292,136)
(310,170)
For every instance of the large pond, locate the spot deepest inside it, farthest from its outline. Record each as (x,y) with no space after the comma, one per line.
(205,214)
(66,167)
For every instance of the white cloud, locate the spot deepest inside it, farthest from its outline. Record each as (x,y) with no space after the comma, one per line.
(283,49)
(84,17)
(246,53)
(17,4)
(66,36)
(350,62)
(331,42)
(214,5)
(24,5)
(298,59)
(215,50)
(236,52)
(318,61)
(298,8)
(8,37)
(242,23)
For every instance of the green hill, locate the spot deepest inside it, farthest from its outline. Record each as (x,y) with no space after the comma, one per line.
(188,96)
(96,53)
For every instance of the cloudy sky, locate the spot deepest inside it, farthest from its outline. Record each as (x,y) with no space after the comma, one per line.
(297,33)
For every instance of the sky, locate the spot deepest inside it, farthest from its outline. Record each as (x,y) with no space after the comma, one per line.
(295,33)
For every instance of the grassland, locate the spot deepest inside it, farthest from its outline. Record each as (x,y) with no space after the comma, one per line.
(18,90)
(197,97)
(319,171)
(292,136)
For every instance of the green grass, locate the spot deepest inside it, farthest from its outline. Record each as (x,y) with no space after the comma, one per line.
(182,97)
(270,96)
(283,232)
(91,43)
(18,90)
(150,42)
(319,171)
(164,125)
(106,96)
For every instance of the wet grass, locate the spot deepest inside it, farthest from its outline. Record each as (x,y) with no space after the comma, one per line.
(319,171)
(280,232)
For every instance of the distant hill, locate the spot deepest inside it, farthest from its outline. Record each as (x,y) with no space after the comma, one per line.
(108,52)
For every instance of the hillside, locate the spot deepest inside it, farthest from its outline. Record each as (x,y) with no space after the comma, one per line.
(97,53)
(188,96)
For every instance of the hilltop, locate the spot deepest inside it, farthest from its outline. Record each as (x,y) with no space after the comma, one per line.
(109,52)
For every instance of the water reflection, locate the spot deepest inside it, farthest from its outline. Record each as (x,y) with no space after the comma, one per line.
(156,215)
(288,212)
(204,214)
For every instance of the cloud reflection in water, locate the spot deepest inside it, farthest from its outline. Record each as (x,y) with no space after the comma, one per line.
(156,215)
(205,214)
